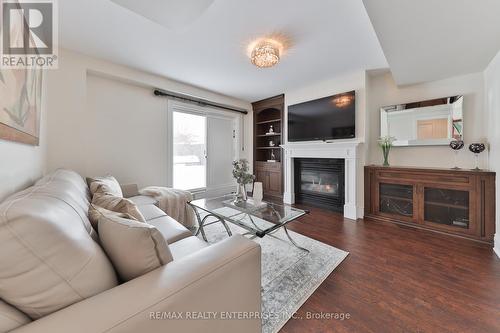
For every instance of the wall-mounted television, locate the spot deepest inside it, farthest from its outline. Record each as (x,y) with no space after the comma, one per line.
(327,118)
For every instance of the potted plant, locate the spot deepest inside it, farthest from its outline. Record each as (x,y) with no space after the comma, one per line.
(385,143)
(243,177)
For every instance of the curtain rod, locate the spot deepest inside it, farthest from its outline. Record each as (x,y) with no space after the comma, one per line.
(203,102)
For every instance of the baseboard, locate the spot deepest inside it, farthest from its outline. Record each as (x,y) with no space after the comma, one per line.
(496,247)
(351,212)
(354,212)
(289,198)
(360,212)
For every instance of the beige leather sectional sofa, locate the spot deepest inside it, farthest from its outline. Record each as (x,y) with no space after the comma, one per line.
(55,277)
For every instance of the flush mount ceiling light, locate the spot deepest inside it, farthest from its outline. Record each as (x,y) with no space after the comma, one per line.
(266,53)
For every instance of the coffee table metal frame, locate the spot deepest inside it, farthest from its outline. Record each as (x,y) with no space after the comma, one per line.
(253,231)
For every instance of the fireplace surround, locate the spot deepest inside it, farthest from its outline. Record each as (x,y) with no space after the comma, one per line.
(320,182)
(347,150)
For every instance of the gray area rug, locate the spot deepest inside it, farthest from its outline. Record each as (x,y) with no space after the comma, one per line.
(289,275)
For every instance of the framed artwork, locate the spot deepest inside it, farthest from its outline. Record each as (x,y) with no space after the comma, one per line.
(20,97)
(20,105)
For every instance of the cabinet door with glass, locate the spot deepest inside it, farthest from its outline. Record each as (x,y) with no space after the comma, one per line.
(396,200)
(449,209)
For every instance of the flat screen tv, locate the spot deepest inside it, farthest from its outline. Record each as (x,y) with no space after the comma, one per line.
(327,118)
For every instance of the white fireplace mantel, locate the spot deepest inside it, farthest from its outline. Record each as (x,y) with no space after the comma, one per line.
(346,150)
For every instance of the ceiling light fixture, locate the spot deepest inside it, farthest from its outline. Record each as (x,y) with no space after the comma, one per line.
(266,53)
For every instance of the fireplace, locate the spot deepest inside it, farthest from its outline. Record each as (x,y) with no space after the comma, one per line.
(320,182)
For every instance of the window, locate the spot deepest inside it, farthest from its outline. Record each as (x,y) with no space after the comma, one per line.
(203,142)
(190,135)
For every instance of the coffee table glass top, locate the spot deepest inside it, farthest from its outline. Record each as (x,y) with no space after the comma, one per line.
(277,215)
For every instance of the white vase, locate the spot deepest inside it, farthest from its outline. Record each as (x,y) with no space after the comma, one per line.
(257,192)
(241,194)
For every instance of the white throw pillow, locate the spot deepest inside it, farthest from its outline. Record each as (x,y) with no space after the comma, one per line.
(105,185)
(118,205)
(134,248)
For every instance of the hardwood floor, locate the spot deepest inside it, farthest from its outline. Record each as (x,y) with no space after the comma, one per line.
(398,279)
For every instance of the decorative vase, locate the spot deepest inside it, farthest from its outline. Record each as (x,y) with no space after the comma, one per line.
(241,194)
(456,145)
(242,176)
(385,143)
(477,148)
(257,192)
(385,152)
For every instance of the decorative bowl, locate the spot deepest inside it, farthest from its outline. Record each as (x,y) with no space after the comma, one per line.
(477,148)
(457,144)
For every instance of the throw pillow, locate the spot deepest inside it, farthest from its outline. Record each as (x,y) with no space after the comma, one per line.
(104,185)
(95,212)
(119,205)
(134,248)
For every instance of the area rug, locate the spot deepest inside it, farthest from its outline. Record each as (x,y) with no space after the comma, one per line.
(289,275)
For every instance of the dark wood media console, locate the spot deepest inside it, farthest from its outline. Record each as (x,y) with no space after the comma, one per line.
(456,202)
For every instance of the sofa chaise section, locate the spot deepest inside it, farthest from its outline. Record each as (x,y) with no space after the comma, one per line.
(220,279)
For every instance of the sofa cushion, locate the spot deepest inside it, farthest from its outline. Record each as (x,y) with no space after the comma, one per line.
(134,248)
(104,185)
(11,318)
(171,230)
(186,246)
(140,200)
(151,212)
(73,188)
(48,260)
(118,204)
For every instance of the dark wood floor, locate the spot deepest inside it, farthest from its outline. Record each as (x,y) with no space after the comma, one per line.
(398,279)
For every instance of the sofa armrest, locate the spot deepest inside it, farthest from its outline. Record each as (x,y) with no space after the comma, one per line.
(129,190)
(197,293)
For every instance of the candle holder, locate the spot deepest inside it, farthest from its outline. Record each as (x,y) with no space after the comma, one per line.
(456,145)
(477,148)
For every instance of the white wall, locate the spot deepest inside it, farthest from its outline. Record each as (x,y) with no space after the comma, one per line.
(492,86)
(125,133)
(104,118)
(350,81)
(20,164)
(382,91)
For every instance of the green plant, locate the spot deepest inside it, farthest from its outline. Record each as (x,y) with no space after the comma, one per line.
(240,172)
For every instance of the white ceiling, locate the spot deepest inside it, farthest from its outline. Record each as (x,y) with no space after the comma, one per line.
(426,40)
(171,14)
(206,46)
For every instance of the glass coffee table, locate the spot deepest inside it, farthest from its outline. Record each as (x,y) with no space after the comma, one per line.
(257,218)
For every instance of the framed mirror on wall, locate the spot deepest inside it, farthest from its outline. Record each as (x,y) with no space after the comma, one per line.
(427,123)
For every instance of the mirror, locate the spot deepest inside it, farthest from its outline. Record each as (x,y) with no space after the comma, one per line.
(427,123)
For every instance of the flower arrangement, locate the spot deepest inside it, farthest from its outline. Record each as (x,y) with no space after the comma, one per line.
(386,143)
(240,172)
(243,177)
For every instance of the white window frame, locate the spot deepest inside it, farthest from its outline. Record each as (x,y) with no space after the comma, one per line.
(208,112)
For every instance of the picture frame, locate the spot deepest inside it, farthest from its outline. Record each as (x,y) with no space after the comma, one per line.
(20,105)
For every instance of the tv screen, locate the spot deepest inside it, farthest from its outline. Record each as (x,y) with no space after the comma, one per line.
(326,118)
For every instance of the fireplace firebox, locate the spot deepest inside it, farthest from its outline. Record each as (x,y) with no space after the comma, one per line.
(320,182)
